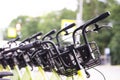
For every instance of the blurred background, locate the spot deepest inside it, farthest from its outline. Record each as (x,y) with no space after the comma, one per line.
(26,17)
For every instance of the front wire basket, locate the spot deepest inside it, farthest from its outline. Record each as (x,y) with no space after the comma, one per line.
(89,59)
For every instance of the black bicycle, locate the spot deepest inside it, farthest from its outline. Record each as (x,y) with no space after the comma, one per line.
(51,55)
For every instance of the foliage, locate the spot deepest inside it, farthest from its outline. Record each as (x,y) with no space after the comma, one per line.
(114,44)
(53,20)
(106,38)
(45,23)
(115,49)
(29,28)
(91,10)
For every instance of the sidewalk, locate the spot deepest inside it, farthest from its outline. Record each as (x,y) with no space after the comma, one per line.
(110,72)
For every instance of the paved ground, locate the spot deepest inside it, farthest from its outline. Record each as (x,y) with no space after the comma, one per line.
(110,73)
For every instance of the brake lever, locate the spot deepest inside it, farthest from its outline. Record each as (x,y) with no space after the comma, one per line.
(97,28)
(91,31)
(107,26)
(66,33)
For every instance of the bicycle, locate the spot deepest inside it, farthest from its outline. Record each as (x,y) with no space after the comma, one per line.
(63,60)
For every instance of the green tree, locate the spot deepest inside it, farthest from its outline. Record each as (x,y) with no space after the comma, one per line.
(30,27)
(49,21)
(114,44)
(44,23)
(106,38)
(115,49)
(53,19)
(20,19)
(91,10)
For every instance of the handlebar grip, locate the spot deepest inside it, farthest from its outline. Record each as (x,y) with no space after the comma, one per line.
(17,39)
(13,40)
(100,17)
(68,27)
(3,74)
(35,35)
(25,47)
(10,50)
(27,39)
(48,34)
(1,49)
(30,45)
(52,32)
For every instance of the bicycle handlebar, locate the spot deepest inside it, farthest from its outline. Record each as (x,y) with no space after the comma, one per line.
(48,34)
(68,27)
(32,37)
(99,18)
(64,29)
(92,21)
(13,40)
(35,35)
(3,74)
(30,45)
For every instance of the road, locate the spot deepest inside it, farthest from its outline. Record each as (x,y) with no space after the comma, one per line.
(110,73)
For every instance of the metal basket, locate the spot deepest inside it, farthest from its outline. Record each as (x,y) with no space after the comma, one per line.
(89,56)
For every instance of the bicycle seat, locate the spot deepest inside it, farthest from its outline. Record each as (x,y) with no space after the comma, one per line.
(4,79)
(4,74)
(1,49)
